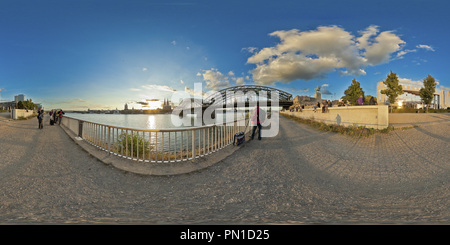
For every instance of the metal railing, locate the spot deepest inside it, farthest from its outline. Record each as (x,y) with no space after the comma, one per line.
(157,145)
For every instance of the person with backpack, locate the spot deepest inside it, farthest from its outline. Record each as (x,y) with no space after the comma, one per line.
(60,115)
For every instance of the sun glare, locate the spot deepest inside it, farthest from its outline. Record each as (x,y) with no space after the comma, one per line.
(154,104)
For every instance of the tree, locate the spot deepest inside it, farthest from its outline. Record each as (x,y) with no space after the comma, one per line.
(353,92)
(367,99)
(27,104)
(393,89)
(426,93)
(20,105)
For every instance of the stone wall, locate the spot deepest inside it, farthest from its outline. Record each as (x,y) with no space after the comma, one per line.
(370,116)
(16,113)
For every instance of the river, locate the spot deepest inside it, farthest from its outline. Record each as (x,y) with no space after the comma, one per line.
(138,121)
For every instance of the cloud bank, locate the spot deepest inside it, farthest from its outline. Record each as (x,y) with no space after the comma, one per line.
(313,54)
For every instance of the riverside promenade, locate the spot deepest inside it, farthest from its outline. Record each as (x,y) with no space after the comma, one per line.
(301,176)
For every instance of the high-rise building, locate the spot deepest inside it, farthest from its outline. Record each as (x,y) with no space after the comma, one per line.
(19,97)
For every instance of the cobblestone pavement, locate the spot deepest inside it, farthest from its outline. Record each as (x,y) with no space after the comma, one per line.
(301,176)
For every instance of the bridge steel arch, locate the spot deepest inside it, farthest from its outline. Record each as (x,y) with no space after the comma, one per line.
(225,95)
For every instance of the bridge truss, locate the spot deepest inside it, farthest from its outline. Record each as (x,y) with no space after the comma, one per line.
(231,94)
(243,94)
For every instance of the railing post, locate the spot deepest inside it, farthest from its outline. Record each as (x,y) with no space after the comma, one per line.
(80,128)
(109,140)
(193,144)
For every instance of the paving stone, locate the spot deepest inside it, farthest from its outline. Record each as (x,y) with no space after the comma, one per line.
(301,176)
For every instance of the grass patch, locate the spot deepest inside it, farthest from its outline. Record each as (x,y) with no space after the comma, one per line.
(354,131)
(34,115)
(411,110)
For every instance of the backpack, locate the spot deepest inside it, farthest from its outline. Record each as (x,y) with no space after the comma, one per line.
(239,138)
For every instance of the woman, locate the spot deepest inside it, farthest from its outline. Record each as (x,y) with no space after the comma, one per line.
(51,117)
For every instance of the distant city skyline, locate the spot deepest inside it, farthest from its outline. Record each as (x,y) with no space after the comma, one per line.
(102,54)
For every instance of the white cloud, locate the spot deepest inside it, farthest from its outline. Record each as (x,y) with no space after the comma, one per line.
(384,44)
(300,90)
(409,82)
(250,49)
(193,92)
(426,47)
(216,80)
(174,42)
(313,54)
(163,88)
(402,53)
(324,89)
(239,81)
(144,68)
(181,81)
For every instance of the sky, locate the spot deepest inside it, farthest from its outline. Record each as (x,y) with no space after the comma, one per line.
(101,54)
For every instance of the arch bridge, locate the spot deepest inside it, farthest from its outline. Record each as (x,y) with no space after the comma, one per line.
(238,96)
(248,92)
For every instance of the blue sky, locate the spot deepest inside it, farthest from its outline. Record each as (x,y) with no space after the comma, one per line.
(101,54)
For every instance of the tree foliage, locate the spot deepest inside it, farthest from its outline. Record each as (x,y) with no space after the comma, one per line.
(353,92)
(393,89)
(27,104)
(429,87)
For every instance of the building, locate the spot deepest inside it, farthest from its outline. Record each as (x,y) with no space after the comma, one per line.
(306,100)
(166,105)
(7,105)
(318,96)
(19,97)
(410,95)
(125,107)
(12,104)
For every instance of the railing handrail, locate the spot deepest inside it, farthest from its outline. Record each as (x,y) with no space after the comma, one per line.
(157,130)
(157,145)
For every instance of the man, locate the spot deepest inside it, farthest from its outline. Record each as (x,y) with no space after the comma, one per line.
(40,118)
(60,114)
(257,118)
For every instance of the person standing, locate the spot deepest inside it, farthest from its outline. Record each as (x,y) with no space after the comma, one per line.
(55,116)
(61,113)
(257,118)
(51,117)
(41,118)
(360,100)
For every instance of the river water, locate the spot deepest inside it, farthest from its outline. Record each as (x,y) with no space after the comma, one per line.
(170,142)
(141,121)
